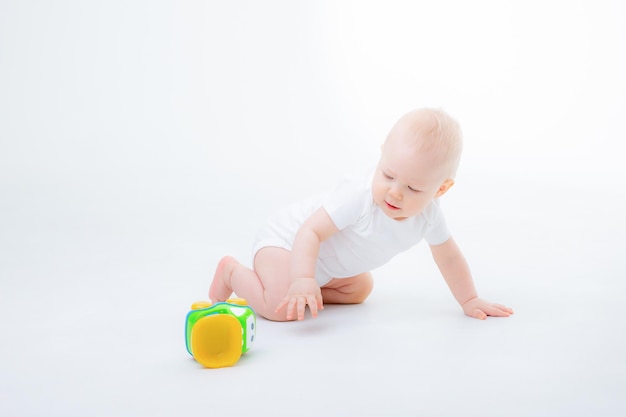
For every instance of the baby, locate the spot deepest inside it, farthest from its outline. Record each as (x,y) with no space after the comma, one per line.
(317,252)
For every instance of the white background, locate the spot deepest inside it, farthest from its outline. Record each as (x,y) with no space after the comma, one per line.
(140,141)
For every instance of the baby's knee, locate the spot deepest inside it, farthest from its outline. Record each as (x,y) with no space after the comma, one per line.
(353,290)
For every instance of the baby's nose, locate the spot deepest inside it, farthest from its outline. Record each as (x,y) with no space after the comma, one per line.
(395,193)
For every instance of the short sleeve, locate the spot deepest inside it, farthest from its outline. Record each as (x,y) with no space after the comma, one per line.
(437,231)
(347,203)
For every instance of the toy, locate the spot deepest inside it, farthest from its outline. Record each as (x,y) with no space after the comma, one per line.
(218,334)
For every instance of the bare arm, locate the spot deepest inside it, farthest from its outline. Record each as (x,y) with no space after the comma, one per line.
(306,246)
(304,290)
(456,272)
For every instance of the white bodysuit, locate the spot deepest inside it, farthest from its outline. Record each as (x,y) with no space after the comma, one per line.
(367,237)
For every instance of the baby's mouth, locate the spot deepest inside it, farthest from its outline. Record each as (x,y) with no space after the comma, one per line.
(391,206)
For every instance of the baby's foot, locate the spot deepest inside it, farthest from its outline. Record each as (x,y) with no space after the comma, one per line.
(220,287)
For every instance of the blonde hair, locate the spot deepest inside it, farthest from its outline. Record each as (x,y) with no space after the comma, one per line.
(433,129)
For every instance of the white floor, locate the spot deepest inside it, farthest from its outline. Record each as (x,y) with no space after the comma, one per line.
(141,141)
(93,325)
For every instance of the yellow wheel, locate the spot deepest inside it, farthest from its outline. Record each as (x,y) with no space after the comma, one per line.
(238,301)
(199,305)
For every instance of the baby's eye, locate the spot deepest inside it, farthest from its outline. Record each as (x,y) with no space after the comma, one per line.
(389,177)
(414,190)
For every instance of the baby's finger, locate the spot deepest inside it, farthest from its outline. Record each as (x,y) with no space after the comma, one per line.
(312,305)
(291,308)
(496,312)
(282,305)
(478,314)
(504,308)
(320,302)
(301,307)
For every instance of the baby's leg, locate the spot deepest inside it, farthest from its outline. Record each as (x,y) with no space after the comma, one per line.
(221,288)
(353,290)
(263,288)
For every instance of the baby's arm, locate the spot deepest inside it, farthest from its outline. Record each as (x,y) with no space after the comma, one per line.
(456,272)
(304,290)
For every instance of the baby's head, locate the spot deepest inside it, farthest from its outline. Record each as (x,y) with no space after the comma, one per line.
(432,131)
(419,160)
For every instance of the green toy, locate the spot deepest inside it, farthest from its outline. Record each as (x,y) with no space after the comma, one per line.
(218,334)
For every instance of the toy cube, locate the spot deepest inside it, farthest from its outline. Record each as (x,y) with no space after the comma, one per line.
(216,335)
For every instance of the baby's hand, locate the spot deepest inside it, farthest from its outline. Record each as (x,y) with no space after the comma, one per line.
(302,291)
(480,309)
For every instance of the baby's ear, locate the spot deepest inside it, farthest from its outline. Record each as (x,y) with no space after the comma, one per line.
(443,188)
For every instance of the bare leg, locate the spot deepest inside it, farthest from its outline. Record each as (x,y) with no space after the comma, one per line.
(221,288)
(263,288)
(266,285)
(353,290)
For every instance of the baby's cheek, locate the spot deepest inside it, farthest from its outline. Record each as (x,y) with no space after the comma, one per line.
(419,204)
(376,193)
